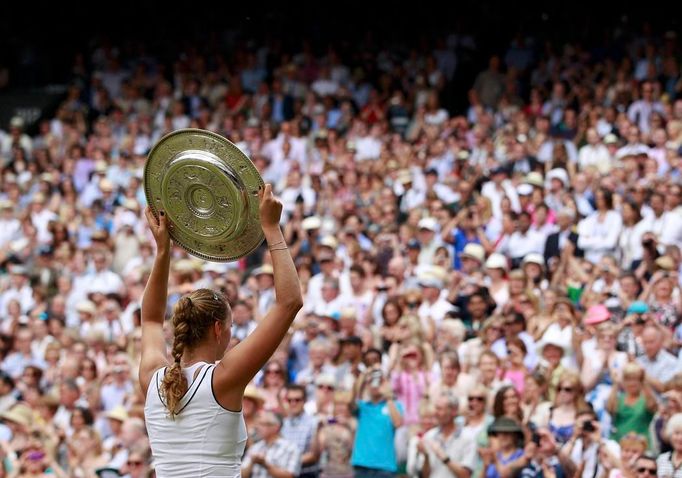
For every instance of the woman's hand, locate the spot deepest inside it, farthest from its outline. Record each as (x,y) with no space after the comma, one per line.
(270,208)
(159,229)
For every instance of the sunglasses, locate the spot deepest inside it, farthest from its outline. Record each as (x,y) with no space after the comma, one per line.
(650,471)
(135,463)
(478,399)
(565,389)
(325,387)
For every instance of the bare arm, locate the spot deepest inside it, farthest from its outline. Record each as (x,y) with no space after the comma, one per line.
(612,403)
(154,302)
(241,364)
(589,376)
(650,398)
(396,417)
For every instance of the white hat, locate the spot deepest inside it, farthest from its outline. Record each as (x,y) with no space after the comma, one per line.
(534,179)
(566,211)
(524,189)
(474,251)
(118,413)
(429,223)
(431,276)
(560,174)
(533,258)
(496,261)
(610,139)
(552,337)
(101,166)
(131,204)
(16,122)
(217,267)
(404,176)
(312,222)
(264,269)
(329,241)
(87,307)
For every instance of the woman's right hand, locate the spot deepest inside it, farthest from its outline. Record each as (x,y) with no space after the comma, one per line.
(270,208)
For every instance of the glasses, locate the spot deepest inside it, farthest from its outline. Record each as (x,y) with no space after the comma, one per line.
(649,471)
(135,463)
(295,399)
(565,389)
(477,399)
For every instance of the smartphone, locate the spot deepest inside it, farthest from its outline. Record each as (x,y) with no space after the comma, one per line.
(536,438)
(589,426)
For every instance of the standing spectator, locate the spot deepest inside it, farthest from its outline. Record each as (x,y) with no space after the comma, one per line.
(300,428)
(374,453)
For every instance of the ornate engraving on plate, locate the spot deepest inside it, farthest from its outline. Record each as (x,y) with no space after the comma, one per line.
(209,189)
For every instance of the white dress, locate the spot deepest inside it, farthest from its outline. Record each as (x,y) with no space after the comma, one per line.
(204,441)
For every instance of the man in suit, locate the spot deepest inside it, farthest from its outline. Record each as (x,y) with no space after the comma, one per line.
(556,242)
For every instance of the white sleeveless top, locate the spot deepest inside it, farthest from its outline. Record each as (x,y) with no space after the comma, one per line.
(205,440)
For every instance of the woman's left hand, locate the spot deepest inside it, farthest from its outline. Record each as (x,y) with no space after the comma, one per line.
(159,227)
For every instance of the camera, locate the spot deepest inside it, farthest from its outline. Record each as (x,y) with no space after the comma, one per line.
(589,427)
(536,438)
(375,377)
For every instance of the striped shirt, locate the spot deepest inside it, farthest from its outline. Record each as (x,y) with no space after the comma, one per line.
(281,453)
(666,468)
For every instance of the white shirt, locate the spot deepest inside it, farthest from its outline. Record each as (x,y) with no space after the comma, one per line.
(10,229)
(435,311)
(106,282)
(24,296)
(519,245)
(204,440)
(630,242)
(668,229)
(595,155)
(640,111)
(495,195)
(599,238)
(41,221)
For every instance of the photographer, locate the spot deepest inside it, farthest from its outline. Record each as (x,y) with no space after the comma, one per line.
(584,446)
(543,458)
(374,453)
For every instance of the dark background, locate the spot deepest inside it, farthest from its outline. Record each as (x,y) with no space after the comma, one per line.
(38,40)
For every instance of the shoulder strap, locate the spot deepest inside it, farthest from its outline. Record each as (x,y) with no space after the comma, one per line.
(191,391)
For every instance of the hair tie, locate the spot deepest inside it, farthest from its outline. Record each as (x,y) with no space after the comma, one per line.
(215,297)
(190,301)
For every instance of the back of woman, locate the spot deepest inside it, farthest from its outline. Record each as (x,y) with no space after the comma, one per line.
(193,409)
(218,435)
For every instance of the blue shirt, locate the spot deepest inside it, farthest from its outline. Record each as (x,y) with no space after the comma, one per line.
(460,241)
(373,446)
(491,471)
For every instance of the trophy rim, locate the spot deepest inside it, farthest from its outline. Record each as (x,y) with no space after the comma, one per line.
(224,159)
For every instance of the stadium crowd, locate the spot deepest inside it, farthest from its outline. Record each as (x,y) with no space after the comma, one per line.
(489,293)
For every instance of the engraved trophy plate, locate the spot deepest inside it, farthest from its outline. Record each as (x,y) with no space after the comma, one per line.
(209,190)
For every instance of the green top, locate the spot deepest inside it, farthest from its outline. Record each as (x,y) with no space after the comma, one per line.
(631,418)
